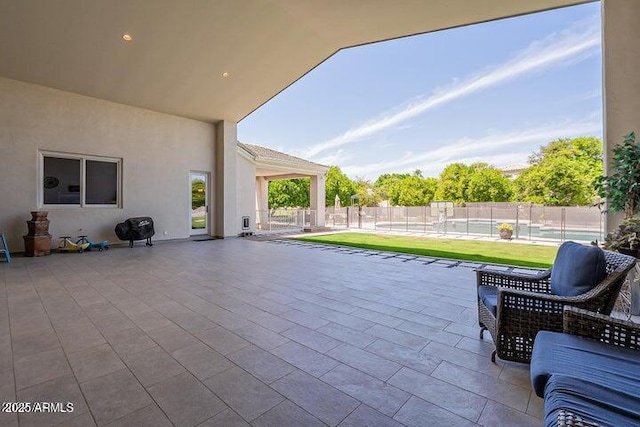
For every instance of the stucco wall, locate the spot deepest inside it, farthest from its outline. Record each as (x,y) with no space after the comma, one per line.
(621,62)
(246,191)
(157,152)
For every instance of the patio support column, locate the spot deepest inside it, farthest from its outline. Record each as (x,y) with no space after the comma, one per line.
(317,198)
(227,223)
(262,200)
(621,86)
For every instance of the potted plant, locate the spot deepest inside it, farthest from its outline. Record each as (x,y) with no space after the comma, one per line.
(621,189)
(626,239)
(506,230)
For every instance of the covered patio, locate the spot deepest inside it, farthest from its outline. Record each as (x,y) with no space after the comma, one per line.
(151,94)
(231,332)
(226,332)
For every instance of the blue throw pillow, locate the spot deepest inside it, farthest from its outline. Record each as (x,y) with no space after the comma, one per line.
(489,297)
(577,269)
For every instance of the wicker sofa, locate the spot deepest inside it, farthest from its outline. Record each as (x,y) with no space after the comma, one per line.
(513,308)
(590,374)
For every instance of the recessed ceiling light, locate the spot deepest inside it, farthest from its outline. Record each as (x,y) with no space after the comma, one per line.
(127,37)
(225,74)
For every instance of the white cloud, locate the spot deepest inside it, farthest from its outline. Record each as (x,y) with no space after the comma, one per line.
(594,94)
(572,45)
(334,158)
(490,148)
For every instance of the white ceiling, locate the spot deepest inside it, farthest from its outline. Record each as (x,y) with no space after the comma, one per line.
(180,48)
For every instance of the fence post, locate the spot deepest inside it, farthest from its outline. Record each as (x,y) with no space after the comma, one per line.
(530,219)
(491,221)
(517,220)
(390,224)
(407,218)
(600,233)
(466,209)
(444,225)
(375,218)
(424,218)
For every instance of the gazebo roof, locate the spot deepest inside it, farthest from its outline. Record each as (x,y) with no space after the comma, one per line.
(272,163)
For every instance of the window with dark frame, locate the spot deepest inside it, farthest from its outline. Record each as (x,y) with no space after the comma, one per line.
(80,181)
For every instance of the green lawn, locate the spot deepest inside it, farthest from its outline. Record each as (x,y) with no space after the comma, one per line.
(198,222)
(469,250)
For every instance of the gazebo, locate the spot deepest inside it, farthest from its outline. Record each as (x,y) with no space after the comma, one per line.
(258,165)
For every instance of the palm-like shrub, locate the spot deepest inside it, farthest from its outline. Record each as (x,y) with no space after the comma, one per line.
(622,187)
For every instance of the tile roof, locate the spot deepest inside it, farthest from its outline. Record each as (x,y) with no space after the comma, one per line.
(264,153)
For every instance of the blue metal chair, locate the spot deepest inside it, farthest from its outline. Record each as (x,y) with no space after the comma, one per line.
(4,249)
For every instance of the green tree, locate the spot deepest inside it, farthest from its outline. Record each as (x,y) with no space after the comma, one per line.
(386,186)
(197,193)
(338,183)
(562,173)
(453,183)
(555,182)
(415,191)
(430,186)
(289,193)
(585,148)
(364,193)
(488,184)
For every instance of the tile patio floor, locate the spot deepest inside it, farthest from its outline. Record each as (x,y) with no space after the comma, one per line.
(239,332)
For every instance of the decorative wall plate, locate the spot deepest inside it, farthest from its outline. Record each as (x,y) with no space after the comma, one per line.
(51,182)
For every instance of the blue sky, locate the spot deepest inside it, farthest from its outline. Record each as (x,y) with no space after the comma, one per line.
(492,92)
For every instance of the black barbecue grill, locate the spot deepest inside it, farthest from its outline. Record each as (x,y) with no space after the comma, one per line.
(139,228)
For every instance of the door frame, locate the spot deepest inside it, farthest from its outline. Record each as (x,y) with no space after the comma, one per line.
(207,193)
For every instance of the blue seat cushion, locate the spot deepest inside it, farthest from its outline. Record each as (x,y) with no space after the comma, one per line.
(577,269)
(489,297)
(590,401)
(614,367)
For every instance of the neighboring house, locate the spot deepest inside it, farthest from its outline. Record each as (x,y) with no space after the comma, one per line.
(513,171)
(110,110)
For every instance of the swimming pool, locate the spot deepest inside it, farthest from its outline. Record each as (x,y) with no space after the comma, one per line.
(489,228)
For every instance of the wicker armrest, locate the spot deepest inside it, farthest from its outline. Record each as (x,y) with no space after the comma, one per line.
(538,283)
(548,304)
(520,307)
(538,296)
(607,329)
